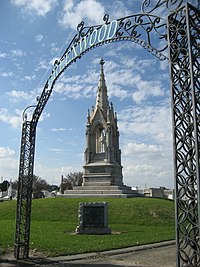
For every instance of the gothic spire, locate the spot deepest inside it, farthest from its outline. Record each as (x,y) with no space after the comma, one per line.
(102,98)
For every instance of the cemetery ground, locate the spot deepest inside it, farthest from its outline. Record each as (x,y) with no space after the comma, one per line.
(134,221)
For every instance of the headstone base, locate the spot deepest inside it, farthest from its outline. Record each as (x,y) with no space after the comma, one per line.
(93,231)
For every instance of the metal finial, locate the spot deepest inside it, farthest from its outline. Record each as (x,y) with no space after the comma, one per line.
(101,63)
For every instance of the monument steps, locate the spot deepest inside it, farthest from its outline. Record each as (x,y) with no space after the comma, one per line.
(98,195)
(101,187)
(101,191)
(86,192)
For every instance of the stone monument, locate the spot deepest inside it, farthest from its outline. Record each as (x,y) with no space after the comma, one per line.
(102,171)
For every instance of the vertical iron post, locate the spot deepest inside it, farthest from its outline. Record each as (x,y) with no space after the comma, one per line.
(184,59)
(24,195)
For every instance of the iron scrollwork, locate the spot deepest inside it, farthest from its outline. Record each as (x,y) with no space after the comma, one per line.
(146,29)
(137,28)
(184,37)
(149,6)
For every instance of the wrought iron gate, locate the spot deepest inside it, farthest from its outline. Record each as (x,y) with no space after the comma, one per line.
(183,34)
(184,46)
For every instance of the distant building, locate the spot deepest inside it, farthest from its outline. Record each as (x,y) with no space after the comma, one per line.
(170,193)
(158,192)
(3,194)
(10,193)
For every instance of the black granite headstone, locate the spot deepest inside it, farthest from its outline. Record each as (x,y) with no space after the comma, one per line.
(93,218)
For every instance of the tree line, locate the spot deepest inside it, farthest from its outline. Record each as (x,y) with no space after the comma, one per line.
(68,182)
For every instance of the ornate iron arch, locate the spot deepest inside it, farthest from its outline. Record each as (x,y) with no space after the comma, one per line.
(182,33)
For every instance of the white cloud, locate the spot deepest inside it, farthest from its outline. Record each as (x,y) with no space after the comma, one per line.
(43,116)
(12,54)
(13,120)
(29,78)
(152,122)
(17,96)
(55,48)
(152,174)
(142,168)
(118,9)
(131,148)
(117,91)
(3,55)
(123,81)
(57,150)
(39,38)
(58,129)
(130,73)
(9,167)
(38,7)
(146,88)
(43,64)
(66,169)
(6,152)
(53,175)
(17,53)
(72,88)
(146,145)
(91,11)
(18,66)
(138,64)
(164,65)
(6,74)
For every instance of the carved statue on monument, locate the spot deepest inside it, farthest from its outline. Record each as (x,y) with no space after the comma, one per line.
(102,142)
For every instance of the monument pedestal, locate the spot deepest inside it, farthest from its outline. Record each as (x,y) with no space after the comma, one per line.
(103,180)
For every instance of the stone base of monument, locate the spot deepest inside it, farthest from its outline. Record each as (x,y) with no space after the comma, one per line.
(103,180)
(93,218)
(100,190)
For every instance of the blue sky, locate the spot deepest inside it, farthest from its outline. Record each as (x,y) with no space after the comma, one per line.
(33,35)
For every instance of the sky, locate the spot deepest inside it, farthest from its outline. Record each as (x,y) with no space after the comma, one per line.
(36,33)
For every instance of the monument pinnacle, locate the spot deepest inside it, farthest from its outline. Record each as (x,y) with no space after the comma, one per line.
(102,98)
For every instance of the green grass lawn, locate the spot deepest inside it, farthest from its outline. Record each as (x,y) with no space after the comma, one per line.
(134,221)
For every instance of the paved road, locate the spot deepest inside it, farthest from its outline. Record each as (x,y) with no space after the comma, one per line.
(156,255)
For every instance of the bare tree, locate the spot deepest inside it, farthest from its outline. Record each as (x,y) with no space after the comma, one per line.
(4,185)
(38,184)
(72,179)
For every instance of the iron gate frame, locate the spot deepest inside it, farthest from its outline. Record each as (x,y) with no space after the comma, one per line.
(184,41)
(182,32)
